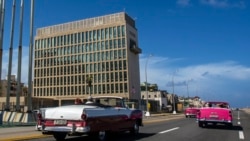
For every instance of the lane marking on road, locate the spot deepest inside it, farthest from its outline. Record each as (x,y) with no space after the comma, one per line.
(169,130)
(241,135)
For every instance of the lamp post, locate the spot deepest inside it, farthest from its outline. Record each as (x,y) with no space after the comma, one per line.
(146,86)
(174,111)
(188,89)
(187,92)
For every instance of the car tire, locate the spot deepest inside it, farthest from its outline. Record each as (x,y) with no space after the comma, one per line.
(102,135)
(135,129)
(200,124)
(59,136)
(230,125)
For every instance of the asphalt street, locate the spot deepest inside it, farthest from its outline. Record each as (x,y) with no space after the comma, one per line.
(15,133)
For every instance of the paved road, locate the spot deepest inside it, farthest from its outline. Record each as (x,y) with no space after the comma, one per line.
(181,129)
(156,128)
(28,132)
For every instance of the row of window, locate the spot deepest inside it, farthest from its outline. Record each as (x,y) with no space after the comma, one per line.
(81,79)
(83,48)
(82,90)
(153,96)
(82,37)
(81,68)
(75,59)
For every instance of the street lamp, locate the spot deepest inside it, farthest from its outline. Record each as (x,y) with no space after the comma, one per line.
(146,86)
(188,89)
(174,111)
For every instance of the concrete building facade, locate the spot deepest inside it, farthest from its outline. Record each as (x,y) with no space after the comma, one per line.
(102,50)
(13,93)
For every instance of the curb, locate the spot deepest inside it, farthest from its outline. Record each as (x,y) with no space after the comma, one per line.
(25,137)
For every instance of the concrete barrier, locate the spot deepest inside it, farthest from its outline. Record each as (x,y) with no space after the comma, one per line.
(12,116)
(18,117)
(6,116)
(28,118)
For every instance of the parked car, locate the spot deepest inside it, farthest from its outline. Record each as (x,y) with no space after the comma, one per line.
(191,112)
(215,113)
(97,116)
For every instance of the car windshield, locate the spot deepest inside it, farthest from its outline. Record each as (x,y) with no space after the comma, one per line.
(217,104)
(113,102)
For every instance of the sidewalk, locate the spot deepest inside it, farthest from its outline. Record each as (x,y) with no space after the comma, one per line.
(21,132)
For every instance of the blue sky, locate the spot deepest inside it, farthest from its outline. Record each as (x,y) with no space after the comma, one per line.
(202,43)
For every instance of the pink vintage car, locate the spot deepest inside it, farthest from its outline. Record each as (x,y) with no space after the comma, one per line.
(95,117)
(215,113)
(191,112)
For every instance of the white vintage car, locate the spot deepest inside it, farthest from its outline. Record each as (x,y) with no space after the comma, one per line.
(96,117)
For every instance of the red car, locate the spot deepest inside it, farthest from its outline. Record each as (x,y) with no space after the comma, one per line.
(191,112)
(215,113)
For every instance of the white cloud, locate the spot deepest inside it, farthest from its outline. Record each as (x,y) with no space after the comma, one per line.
(224,3)
(183,2)
(218,80)
(24,64)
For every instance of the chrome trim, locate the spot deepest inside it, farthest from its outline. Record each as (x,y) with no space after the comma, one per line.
(67,129)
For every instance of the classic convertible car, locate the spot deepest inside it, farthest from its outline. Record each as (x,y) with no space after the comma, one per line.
(97,116)
(191,112)
(215,113)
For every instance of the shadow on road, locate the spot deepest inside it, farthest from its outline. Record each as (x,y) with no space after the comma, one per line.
(224,127)
(114,137)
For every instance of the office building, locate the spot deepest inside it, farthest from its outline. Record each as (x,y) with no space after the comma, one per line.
(102,50)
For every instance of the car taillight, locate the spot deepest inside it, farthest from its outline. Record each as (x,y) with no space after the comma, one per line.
(84,116)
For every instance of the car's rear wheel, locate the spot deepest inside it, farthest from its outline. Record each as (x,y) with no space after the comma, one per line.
(102,135)
(59,136)
(135,129)
(200,124)
(230,125)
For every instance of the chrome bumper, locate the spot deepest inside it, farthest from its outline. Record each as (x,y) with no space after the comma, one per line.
(213,120)
(68,129)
